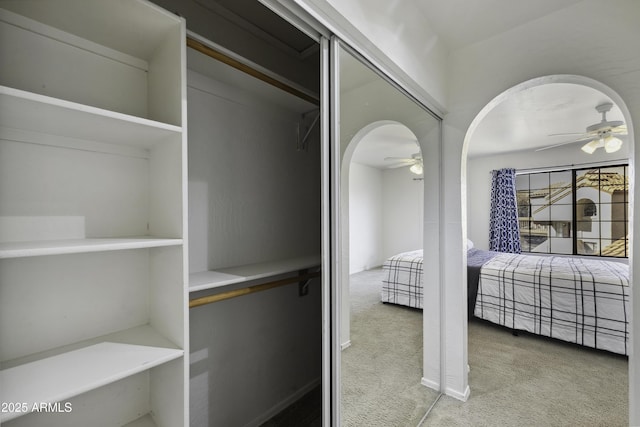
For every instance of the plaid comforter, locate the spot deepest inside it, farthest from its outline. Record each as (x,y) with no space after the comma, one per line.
(402,283)
(578,300)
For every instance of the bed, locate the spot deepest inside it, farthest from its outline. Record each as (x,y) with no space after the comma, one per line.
(574,299)
(402,283)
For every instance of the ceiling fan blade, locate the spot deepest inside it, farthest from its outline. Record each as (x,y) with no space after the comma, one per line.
(403,159)
(575,141)
(399,165)
(567,134)
(619,130)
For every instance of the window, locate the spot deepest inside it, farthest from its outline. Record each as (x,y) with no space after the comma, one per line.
(577,211)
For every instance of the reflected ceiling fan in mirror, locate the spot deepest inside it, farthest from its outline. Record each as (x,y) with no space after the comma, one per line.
(415,163)
(600,135)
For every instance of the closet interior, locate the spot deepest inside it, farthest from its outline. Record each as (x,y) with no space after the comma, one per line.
(254,215)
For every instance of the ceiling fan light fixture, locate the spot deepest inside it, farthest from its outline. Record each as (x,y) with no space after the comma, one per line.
(612,144)
(591,146)
(416,168)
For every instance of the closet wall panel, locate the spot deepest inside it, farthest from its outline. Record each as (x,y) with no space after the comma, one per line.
(251,190)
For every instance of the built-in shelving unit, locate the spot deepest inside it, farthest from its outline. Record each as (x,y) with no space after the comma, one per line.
(93,264)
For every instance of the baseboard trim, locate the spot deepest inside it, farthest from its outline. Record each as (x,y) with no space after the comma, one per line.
(431,384)
(346,344)
(280,406)
(457,395)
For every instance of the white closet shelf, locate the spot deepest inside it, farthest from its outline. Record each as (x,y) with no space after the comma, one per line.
(46,115)
(227,276)
(61,377)
(74,246)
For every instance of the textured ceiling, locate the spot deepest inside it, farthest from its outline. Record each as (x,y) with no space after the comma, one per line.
(462,22)
(528,120)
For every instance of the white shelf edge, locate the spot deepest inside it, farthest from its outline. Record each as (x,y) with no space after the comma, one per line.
(43,114)
(75,246)
(203,280)
(61,377)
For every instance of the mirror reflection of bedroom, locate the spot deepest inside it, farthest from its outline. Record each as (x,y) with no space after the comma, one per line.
(555,317)
(382,184)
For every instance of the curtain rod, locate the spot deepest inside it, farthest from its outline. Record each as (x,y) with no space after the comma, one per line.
(196,302)
(618,162)
(216,54)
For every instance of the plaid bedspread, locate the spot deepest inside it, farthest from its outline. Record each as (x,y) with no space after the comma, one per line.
(578,300)
(402,283)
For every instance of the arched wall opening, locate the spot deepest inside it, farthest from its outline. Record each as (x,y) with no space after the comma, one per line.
(346,203)
(377,335)
(532,83)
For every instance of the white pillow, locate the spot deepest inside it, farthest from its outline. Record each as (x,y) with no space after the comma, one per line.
(469,244)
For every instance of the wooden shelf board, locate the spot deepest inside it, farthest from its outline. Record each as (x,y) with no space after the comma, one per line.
(61,377)
(227,276)
(73,246)
(46,115)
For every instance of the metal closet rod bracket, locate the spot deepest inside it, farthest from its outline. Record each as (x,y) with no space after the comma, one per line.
(303,285)
(303,141)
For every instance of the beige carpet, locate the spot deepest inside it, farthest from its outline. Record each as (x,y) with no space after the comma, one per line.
(515,381)
(533,381)
(382,368)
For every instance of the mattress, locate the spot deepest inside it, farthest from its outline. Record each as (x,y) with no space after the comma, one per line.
(579,300)
(402,282)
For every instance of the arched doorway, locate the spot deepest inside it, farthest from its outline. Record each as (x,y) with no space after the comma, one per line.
(475,182)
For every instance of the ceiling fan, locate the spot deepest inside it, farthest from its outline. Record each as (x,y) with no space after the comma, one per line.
(604,134)
(415,161)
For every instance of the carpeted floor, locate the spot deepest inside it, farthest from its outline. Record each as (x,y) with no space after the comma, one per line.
(515,380)
(527,380)
(382,368)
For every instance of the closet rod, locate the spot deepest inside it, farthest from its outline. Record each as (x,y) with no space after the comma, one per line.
(209,51)
(196,302)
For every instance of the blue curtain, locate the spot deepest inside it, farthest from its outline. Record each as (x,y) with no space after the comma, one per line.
(504,232)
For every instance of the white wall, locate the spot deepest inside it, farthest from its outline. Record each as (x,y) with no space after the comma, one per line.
(403,212)
(385,215)
(479,179)
(365,217)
